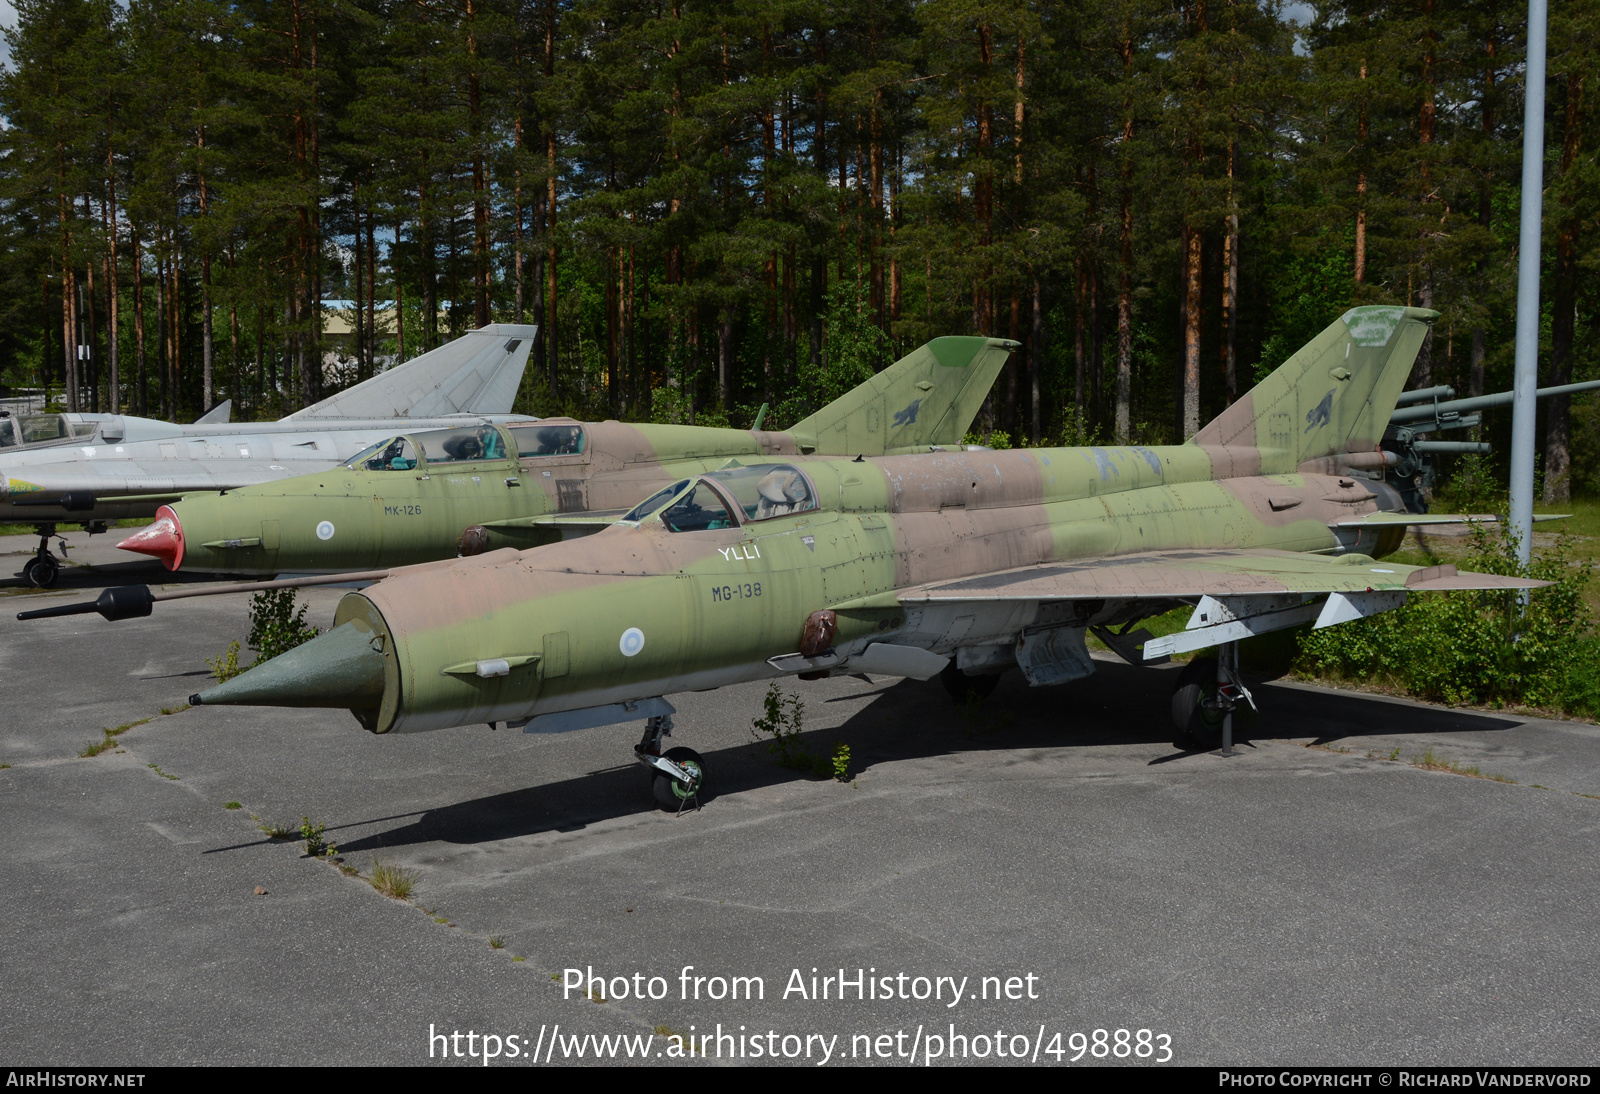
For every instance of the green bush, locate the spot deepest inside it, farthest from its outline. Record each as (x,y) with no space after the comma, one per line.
(1477,647)
(275,626)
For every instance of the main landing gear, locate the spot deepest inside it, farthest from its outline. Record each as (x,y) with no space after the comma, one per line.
(1209,690)
(42,569)
(678,775)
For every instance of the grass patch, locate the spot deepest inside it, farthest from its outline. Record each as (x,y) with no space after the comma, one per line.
(280,831)
(173,710)
(519,957)
(110,739)
(393,881)
(162,773)
(233,805)
(496,942)
(97,747)
(1430,762)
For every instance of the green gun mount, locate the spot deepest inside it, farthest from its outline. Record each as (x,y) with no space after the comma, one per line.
(1431,410)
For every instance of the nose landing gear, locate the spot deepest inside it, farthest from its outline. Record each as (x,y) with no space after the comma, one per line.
(679,773)
(43,569)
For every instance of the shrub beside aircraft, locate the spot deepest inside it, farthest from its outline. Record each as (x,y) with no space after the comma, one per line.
(91,469)
(420,496)
(960,565)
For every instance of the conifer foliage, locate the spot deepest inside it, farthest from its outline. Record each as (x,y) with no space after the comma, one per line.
(708,206)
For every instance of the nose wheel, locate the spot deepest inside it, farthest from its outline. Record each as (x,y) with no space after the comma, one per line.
(42,569)
(677,775)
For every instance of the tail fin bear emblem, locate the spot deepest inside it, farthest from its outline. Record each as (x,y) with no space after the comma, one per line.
(1321,414)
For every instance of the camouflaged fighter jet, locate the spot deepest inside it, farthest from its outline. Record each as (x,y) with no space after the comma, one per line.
(91,469)
(959,565)
(421,496)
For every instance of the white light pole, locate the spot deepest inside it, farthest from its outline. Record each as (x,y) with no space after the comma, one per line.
(1524,406)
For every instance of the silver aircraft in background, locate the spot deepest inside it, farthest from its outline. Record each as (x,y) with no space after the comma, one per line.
(93,469)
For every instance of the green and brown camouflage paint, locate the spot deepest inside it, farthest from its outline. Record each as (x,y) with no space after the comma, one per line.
(353,519)
(953,553)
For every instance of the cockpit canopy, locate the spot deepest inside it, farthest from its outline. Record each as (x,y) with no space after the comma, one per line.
(728,498)
(42,429)
(436,446)
(547,439)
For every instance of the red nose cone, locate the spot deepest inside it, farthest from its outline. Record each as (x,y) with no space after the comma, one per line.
(164,539)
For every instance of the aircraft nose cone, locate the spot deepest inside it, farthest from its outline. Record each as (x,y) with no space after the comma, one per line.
(164,539)
(337,669)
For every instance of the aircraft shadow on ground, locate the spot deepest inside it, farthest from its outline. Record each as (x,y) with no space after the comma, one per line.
(104,576)
(1120,704)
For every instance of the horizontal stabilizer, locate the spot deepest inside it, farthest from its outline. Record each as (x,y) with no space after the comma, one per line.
(478,373)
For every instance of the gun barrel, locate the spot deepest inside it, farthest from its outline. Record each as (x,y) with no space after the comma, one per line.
(1481,402)
(1457,448)
(1423,394)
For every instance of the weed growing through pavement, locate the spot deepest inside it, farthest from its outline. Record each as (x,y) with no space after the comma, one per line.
(496,942)
(110,738)
(780,728)
(225,666)
(275,626)
(316,846)
(162,773)
(278,831)
(233,805)
(393,881)
(841,762)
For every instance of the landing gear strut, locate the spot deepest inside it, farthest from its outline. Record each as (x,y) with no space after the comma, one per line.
(43,569)
(678,774)
(1209,690)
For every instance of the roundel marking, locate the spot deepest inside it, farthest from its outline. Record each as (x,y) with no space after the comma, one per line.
(632,641)
(325,530)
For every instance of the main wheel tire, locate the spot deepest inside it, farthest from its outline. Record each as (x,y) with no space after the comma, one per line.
(962,687)
(42,572)
(1198,725)
(671,793)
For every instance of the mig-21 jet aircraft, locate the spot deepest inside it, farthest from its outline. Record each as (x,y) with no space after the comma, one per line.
(426,495)
(92,469)
(959,564)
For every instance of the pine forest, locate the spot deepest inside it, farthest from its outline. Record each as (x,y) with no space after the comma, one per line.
(711,206)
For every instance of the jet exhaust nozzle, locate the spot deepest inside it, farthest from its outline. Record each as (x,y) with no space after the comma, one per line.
(337,669)
(163,539)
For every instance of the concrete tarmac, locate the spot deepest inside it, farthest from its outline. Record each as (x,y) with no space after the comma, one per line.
(1309,901)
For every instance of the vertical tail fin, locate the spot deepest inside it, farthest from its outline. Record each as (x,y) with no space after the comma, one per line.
(929,396)
(478,373)
(1334,395)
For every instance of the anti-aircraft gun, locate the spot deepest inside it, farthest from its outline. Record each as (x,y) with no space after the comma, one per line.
(1431,410)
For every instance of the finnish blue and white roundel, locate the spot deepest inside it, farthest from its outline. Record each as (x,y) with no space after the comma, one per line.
(632,641)
(325,530)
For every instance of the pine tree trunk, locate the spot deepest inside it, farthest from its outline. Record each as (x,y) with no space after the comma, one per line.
(139,398)
(1191,334)
(1557,446)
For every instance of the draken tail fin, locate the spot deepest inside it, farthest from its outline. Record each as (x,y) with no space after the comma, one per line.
(478,373)
(928,397)
(1333,396)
